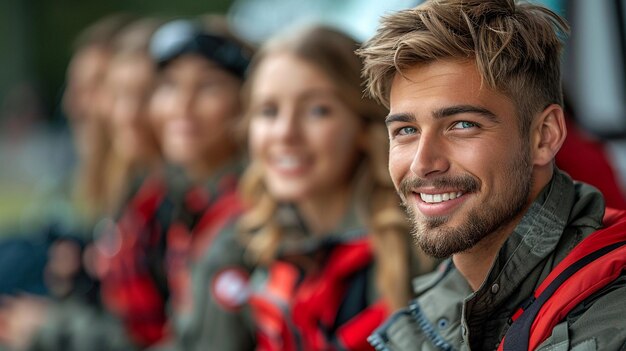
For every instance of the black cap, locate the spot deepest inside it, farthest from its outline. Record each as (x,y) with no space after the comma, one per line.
(181,37)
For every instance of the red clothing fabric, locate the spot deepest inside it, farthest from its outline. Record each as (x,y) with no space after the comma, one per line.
(592,265)
(301,311)
(187,244)
(127,284)
(585,159)
(144,261)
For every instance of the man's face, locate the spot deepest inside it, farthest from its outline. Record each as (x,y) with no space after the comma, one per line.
(456,156)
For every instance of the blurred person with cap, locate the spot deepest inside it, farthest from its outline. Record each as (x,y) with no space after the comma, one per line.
(195,107)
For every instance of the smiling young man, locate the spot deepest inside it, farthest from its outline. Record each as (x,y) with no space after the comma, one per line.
(475,122)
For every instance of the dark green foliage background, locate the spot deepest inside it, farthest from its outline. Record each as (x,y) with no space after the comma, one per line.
(36,36)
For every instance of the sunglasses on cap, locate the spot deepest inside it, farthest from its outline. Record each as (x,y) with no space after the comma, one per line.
(182,37)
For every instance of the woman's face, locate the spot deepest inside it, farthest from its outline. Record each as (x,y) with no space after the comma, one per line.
(129,83)
(195,106)
(305,139)
(84,77)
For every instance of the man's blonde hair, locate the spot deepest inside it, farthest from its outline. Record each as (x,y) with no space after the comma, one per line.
(516,48)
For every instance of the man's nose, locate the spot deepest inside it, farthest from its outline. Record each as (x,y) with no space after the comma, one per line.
(430,157)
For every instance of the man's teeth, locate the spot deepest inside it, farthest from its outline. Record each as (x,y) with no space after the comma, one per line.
(436,198)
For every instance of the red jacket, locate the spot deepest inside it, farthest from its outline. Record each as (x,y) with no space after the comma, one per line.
(585,159)
(145,257)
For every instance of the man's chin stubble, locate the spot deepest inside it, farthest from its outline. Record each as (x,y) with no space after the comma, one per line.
(438,241)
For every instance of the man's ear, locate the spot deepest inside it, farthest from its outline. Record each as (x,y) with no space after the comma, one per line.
(548,133)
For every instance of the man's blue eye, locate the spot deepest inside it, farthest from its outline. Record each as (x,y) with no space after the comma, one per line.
(406,131)
(464,125)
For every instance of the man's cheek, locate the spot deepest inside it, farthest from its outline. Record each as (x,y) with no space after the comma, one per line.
(395,170)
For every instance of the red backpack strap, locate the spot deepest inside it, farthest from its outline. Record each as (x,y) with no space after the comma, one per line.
(594,263)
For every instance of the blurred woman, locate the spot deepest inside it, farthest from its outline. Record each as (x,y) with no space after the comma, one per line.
(134,152)
(83,103)
(81,200)
(135,185)
(322,219)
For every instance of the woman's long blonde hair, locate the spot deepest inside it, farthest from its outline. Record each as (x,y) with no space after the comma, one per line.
(333,53)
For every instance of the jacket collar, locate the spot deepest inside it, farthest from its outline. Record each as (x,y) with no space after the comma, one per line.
(527,255)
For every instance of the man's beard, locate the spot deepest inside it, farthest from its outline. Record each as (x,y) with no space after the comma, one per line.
(439,241)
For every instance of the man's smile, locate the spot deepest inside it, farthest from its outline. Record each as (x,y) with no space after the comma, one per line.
(438,203)
(441,197)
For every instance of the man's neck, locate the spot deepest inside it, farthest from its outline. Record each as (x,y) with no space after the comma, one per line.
(475,263)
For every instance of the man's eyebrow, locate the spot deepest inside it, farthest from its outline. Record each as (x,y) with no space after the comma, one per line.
(409,117)
(400,117)
(459,109)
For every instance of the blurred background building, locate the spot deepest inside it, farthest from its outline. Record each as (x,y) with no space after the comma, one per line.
(36,43)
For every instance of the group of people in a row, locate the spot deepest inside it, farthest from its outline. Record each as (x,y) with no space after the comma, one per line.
(237,197)
(246,198)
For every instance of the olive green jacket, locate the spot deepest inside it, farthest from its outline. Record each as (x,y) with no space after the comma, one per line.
(448,315)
